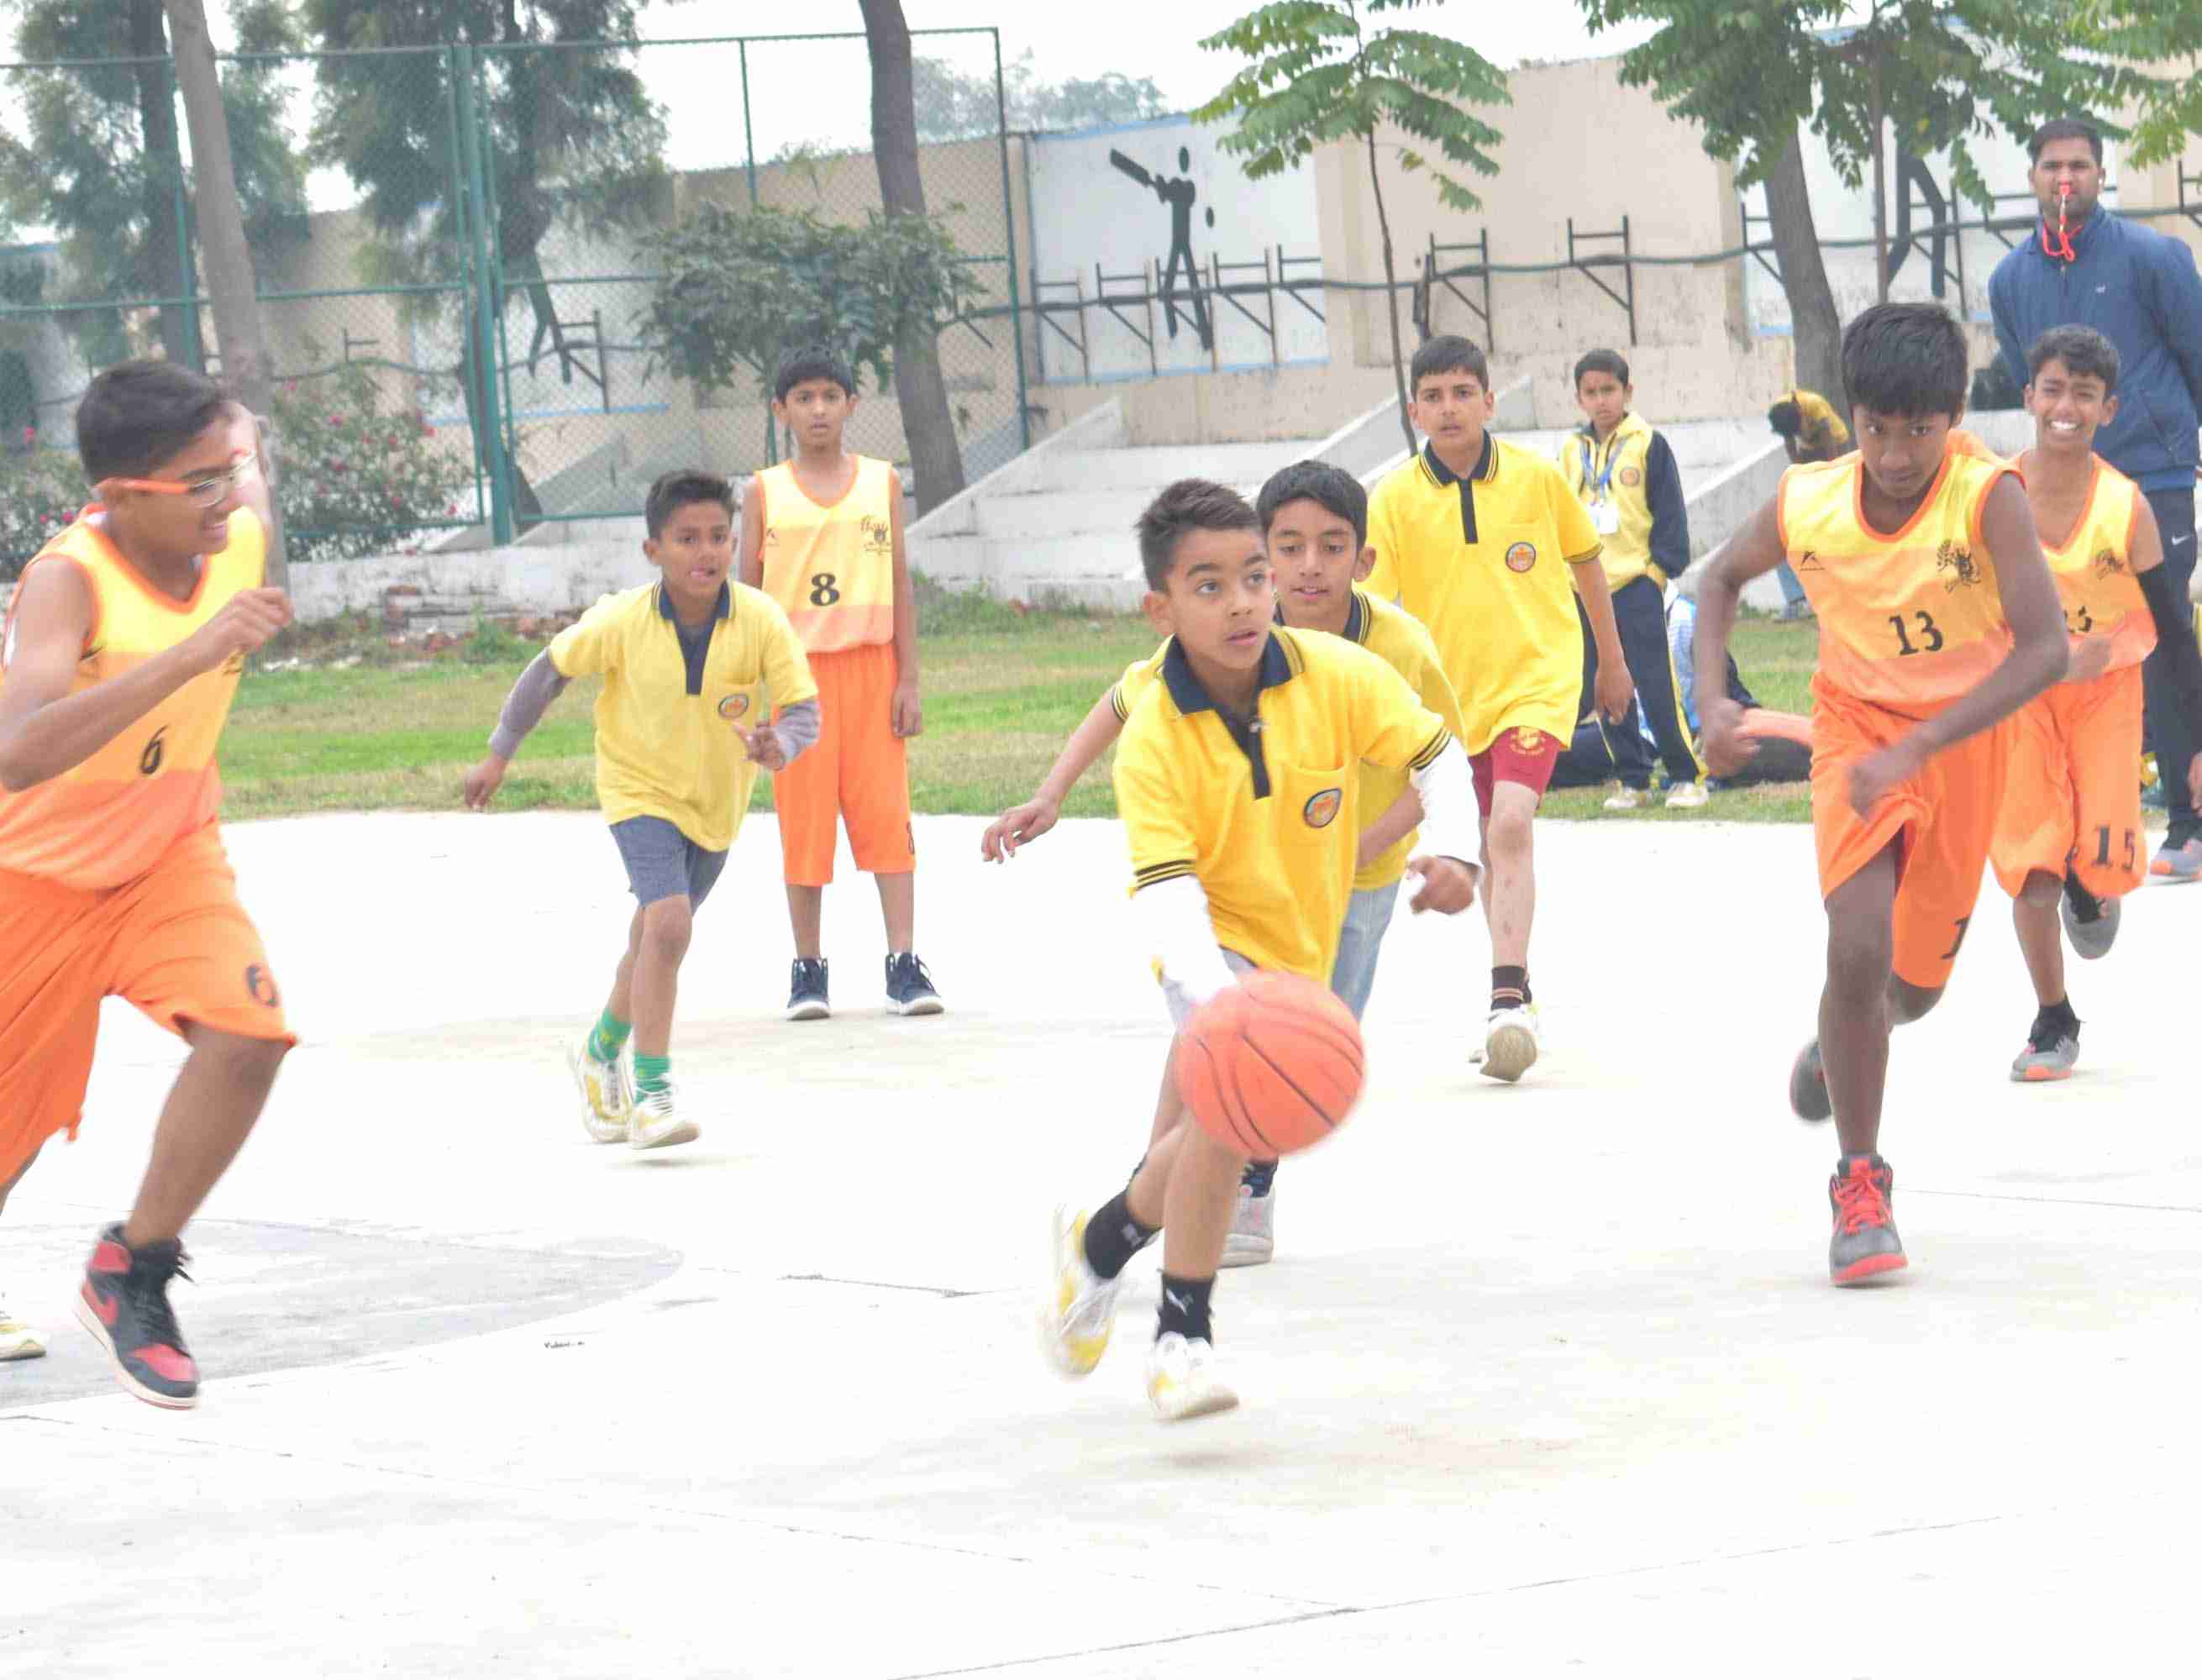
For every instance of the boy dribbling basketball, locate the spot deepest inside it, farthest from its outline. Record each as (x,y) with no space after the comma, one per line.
(1234,780)
(1938,620)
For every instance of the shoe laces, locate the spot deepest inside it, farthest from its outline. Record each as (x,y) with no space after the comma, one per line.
(151,1273)
(2045,1031)
(657,1103)
(1860,1201)
(911,966)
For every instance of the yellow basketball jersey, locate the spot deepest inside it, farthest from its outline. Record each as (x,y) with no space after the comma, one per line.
(112,818)
(831,569)
(2093,569)
(1909,619)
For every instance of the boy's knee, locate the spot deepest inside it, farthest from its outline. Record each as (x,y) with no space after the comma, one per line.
(666,926)
(2041,889)
(1908,1002)
(1508,835)
(1859,961)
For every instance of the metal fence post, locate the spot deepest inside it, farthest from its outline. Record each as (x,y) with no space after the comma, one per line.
(748,143)
(1009,233)
(484,288)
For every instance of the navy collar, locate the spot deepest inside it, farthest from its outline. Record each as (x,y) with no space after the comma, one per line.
(1487,464)
(1356,617)
(724,609)
(1188,695)
(696,644)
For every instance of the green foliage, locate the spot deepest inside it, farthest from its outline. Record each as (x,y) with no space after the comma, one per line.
(742,290)
(495,643)
(358,476)
(39,493)
(1319,74)
(953,105)
(1949,71)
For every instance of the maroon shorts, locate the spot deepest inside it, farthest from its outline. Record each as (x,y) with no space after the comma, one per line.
(1524,756)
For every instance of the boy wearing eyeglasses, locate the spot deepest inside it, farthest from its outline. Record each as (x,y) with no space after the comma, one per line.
(122,652)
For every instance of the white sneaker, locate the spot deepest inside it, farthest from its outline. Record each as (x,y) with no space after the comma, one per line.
(1628,799)
(1688,796)
(1254,1237)
(1079,1310)
(1182,1381)
(1510,1043)
(18,1340)
(652,1125)
(606,1097)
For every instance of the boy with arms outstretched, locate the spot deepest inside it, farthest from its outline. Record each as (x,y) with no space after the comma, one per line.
(1314,527)
(123,648)
(1234,781)
(686,662)
(1938,620)
(2070,823)
(1483,542)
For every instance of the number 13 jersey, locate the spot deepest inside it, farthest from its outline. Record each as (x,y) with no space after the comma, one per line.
(1910,619)
(831,565)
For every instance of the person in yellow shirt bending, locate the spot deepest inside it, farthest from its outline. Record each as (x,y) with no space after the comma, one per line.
(687,663)
(1483,542)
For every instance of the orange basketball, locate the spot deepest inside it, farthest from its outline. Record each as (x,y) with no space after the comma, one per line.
(1271,1065)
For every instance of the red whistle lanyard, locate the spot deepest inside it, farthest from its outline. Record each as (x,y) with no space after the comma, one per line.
(2063,246)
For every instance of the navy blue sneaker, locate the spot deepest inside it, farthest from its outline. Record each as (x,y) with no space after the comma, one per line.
(807,998)
(909,986)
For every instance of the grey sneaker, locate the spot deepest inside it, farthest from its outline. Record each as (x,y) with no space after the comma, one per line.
(1254,1237)
(909,986)
(2091,924)
(2176,865)
(1865,1243)
(2052,1049)
(807,998)
(1808,1086)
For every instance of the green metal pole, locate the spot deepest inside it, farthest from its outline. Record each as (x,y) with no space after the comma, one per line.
(465,236)
(508,455)
(749,145)
(1010,229)
(500,491)
(186,285)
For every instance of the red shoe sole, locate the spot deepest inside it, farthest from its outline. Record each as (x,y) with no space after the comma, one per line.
(2044,1076)
(1873,1266)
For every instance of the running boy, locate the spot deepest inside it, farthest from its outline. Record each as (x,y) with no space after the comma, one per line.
(823,535)
(1243,857)
(1625,472)
(122,652)
(2070,823)
(683,662)
(1938,620)
(1314,527)
(1483,542)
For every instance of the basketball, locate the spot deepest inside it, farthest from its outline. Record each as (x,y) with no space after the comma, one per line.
(1271,1065)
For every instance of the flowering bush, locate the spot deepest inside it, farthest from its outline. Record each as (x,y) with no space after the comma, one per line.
(39,493)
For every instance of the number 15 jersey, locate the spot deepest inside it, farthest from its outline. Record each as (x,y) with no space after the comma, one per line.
(1910,618)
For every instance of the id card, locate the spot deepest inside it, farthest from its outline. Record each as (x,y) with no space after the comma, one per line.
(1605,517)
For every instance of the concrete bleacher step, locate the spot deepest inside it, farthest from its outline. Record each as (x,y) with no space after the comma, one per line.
(1151,467)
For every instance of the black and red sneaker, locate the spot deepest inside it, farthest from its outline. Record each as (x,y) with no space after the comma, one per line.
(124,1303)
(1865,1243)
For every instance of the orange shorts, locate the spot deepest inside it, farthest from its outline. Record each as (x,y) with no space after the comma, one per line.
(2073,800)
(858,772)
(175,943)
(1942,822)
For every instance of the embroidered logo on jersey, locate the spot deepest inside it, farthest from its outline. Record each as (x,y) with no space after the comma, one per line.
(1810,562)
(1322,810)
(1630,477)
(2108,564)
(1521,557)
(1529,743)
(733,706)
(1959,563)
(233,665)
(879,536)
(772,537)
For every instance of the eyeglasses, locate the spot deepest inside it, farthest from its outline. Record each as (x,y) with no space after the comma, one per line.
(210,491)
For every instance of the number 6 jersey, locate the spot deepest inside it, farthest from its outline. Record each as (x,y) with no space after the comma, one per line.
(1910,618)
(832,567)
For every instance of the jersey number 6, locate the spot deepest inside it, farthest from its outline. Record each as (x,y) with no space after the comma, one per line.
(1930,639)
(149,762)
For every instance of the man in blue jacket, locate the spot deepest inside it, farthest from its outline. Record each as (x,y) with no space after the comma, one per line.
(2085,266)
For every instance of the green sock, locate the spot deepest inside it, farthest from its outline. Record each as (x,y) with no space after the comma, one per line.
(608,1036)
(651,1071)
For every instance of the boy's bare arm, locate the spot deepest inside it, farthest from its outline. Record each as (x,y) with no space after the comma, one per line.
(1038,815)
(750,557)
(1392,825)
(1753,551)
(909,716)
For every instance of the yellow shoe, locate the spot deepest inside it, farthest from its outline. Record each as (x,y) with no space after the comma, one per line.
(18,1340)
(1080,1309)
(1182,1381)
(607,1102)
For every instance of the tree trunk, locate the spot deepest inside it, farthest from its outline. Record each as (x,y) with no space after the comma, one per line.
(927,423)
(165,269)
(1880,187)
(1391,295)
(1816,328)
(246,365)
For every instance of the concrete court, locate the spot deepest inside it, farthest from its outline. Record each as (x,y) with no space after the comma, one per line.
(1547,1379)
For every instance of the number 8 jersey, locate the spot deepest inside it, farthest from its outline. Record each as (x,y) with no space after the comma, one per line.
(832,567)
(112,818)
(1910,618)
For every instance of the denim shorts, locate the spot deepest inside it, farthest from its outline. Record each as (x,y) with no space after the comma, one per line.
(662,863)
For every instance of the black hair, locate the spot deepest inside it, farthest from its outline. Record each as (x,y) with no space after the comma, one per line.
(1181,508)
(1448,353)
(812,364)
(2084,352)
(1786,419)
(1331,488)
(137,414)
(1905,359)
(2065,128)
(683,487)
(1602,361)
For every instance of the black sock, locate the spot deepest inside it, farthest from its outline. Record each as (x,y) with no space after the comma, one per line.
(1113,1235)
(2058,1015)
(1184,1308)
(2086,906)
(1259,1176)
(1510,988)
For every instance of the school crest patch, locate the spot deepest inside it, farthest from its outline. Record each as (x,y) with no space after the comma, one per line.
(1521,556)
(2108,564)
(1322,810)
(734,706)
(1958,560)
(1529,743)
(879,536)
(1631,477)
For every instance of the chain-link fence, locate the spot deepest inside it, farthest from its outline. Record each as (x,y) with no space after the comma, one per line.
(458,250)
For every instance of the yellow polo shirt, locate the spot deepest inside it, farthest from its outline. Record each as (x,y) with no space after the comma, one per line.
(665,741)
(1267,818)
(1483,562)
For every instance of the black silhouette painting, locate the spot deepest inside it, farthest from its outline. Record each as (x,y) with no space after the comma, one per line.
(1179,194)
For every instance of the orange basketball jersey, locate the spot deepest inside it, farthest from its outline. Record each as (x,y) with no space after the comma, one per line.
(2093,569)
(114,817)
(1910,619)
(831,569)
